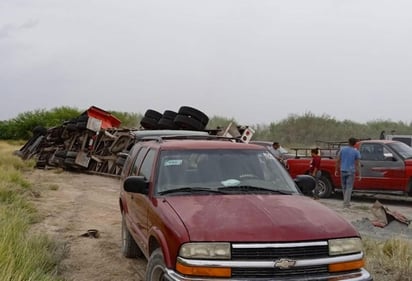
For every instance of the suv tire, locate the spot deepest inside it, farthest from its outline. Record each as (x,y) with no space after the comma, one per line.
(155,270)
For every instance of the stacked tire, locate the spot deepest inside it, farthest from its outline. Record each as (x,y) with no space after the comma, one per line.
(167,120)
(187,118)
(150,119)
(190,118)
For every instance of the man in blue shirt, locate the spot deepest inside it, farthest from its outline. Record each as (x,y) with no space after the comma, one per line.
(347,163)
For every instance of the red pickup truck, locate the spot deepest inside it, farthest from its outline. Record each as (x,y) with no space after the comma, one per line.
(204,208)
(386,167)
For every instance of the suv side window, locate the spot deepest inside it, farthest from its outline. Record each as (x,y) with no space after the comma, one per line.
(147,165)
(140,155)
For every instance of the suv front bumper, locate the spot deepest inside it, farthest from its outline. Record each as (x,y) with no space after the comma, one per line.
(361,275)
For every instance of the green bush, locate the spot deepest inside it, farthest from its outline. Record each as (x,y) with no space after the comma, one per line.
(295,130)
(22,126)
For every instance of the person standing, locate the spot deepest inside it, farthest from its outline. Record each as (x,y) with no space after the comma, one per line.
(348,164)
(314,170)
(277,151)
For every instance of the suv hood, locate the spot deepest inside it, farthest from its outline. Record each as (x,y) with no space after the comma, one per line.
(258,218)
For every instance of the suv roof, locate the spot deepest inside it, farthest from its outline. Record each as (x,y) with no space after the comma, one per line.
(202,141)
(151,133)
(205,144)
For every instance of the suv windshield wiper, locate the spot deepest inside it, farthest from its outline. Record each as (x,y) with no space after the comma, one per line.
(249,188)
(191,189)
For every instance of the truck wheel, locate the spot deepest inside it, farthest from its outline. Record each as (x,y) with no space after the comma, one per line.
(129,246)
(155,270)
(325,187)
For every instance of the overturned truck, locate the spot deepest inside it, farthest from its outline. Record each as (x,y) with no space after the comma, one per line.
(94,141)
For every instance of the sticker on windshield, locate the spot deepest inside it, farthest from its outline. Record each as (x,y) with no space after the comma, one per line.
(230,182)
(173,162)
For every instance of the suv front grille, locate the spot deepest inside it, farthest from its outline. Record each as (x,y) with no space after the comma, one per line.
(273,252)
(300,252)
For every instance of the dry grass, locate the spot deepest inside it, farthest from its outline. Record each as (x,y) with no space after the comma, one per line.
(23,255)
(389,260)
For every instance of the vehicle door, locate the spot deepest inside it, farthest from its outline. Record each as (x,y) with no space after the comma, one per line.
(134,200)
(381,169)
(141,202)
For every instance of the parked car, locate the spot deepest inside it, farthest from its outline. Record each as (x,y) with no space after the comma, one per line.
(213,208)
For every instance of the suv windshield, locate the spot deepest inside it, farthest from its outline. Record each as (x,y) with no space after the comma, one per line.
(254,171)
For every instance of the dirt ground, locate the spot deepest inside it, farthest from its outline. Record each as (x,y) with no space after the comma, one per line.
(73,203)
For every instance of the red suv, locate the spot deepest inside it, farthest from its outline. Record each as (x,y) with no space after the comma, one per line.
(210,208)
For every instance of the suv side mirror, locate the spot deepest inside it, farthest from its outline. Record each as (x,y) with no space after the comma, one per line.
(305,183)
(136,184)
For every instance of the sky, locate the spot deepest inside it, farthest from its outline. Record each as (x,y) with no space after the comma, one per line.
(257,61)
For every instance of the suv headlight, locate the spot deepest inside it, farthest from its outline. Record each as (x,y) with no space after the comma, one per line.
(218,251)
(345,246)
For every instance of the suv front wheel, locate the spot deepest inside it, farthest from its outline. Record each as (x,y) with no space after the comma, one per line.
(156,266)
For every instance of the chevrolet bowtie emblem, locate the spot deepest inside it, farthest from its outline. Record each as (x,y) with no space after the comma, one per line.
(284,263)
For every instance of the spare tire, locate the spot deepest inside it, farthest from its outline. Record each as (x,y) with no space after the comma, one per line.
(194,113)
(153,114)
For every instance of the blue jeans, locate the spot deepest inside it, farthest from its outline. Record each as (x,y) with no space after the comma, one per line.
(347,180)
